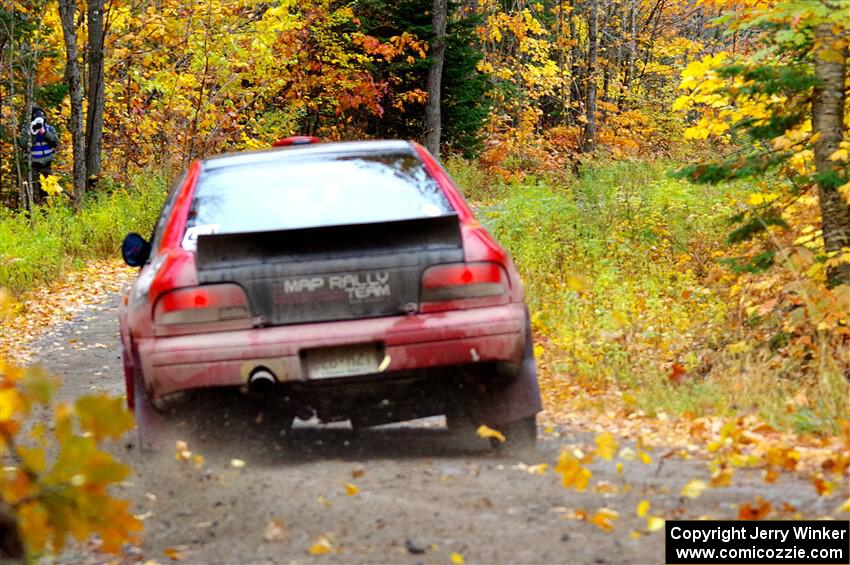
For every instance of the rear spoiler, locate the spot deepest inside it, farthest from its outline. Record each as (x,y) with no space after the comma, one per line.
(440,232)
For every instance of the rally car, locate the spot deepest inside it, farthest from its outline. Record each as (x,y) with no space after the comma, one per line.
(341,281)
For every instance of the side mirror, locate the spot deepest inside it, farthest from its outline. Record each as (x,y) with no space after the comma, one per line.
(135,250)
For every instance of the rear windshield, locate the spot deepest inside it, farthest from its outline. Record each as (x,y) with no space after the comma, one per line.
(324,191)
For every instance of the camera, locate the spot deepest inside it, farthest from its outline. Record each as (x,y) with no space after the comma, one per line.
(36,125)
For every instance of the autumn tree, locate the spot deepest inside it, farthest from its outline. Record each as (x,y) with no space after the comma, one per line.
(94,93)
(829,131)
(589,138)
(782,110)
(433,123)
(67,12)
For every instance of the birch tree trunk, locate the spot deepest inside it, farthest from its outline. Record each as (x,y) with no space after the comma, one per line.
(433,84)
(67,9)
(828,125)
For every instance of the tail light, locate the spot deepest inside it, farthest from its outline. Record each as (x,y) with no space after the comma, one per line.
(463,285)
(180,311)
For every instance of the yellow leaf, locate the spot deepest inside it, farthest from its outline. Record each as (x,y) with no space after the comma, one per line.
(654,523)
(722,477)
(604,519)
(573,474)
(237,463)
(843,507)
(487,432)
(539,469)
(758,199)
(174,554)
(457,558)
(693,488)
(577,282)
(606,446)
(321,546)
(645,457)
(642,508)
(619,468)
(351,489)
(840,155)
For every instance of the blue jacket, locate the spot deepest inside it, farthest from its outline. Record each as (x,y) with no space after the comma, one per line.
(44,145)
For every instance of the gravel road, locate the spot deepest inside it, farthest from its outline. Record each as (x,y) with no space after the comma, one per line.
(419,497)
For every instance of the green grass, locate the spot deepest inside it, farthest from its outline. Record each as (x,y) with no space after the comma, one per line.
(35,251)
(621,273)
(615,268)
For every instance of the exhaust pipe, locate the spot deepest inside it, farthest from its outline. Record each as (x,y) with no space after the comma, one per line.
(261,381)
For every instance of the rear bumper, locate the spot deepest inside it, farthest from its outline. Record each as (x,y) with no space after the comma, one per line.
(425,341)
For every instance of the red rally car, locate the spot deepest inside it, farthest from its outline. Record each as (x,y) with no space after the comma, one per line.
(345,281)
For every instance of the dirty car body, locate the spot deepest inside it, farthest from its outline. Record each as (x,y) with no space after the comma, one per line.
(347,281)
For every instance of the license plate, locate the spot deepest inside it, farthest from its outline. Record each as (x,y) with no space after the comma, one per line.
(348,361)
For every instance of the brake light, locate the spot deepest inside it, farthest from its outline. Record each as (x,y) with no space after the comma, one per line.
(296,140)
(461,285)
(216,303)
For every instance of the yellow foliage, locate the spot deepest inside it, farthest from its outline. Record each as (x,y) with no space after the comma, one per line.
(606,446)
(573,474)
(59,480)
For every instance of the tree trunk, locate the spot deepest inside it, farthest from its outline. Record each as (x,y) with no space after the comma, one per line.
(631,55)
(589,140)
(28,73)
(94,111)
(576,79)
(67,8)
(433,84)
(828,125)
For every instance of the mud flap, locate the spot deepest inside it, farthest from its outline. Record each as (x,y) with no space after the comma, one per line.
(150,423)
(518,399)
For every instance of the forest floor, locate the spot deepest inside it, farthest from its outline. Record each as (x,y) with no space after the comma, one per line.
(384,495)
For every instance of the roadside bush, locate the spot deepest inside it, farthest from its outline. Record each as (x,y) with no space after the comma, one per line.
(623,274)
(38,249)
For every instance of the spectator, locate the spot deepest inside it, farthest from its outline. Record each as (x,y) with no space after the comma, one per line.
(43,148)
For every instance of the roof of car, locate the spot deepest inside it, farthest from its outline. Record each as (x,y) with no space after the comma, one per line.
(295,152)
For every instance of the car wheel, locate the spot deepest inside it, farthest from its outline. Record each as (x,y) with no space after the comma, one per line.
(520,435)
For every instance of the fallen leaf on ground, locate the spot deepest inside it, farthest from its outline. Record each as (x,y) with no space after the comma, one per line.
(321,546)
(822,486)
(274,531)
(573,474)
(677,374)
(606,445)
(722,477)
(757,510)
(604,519)
(174,554)
(654,523)
(237,463)
(642,508)
(693,488)
(351,489)
(539,469)
(457,558)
